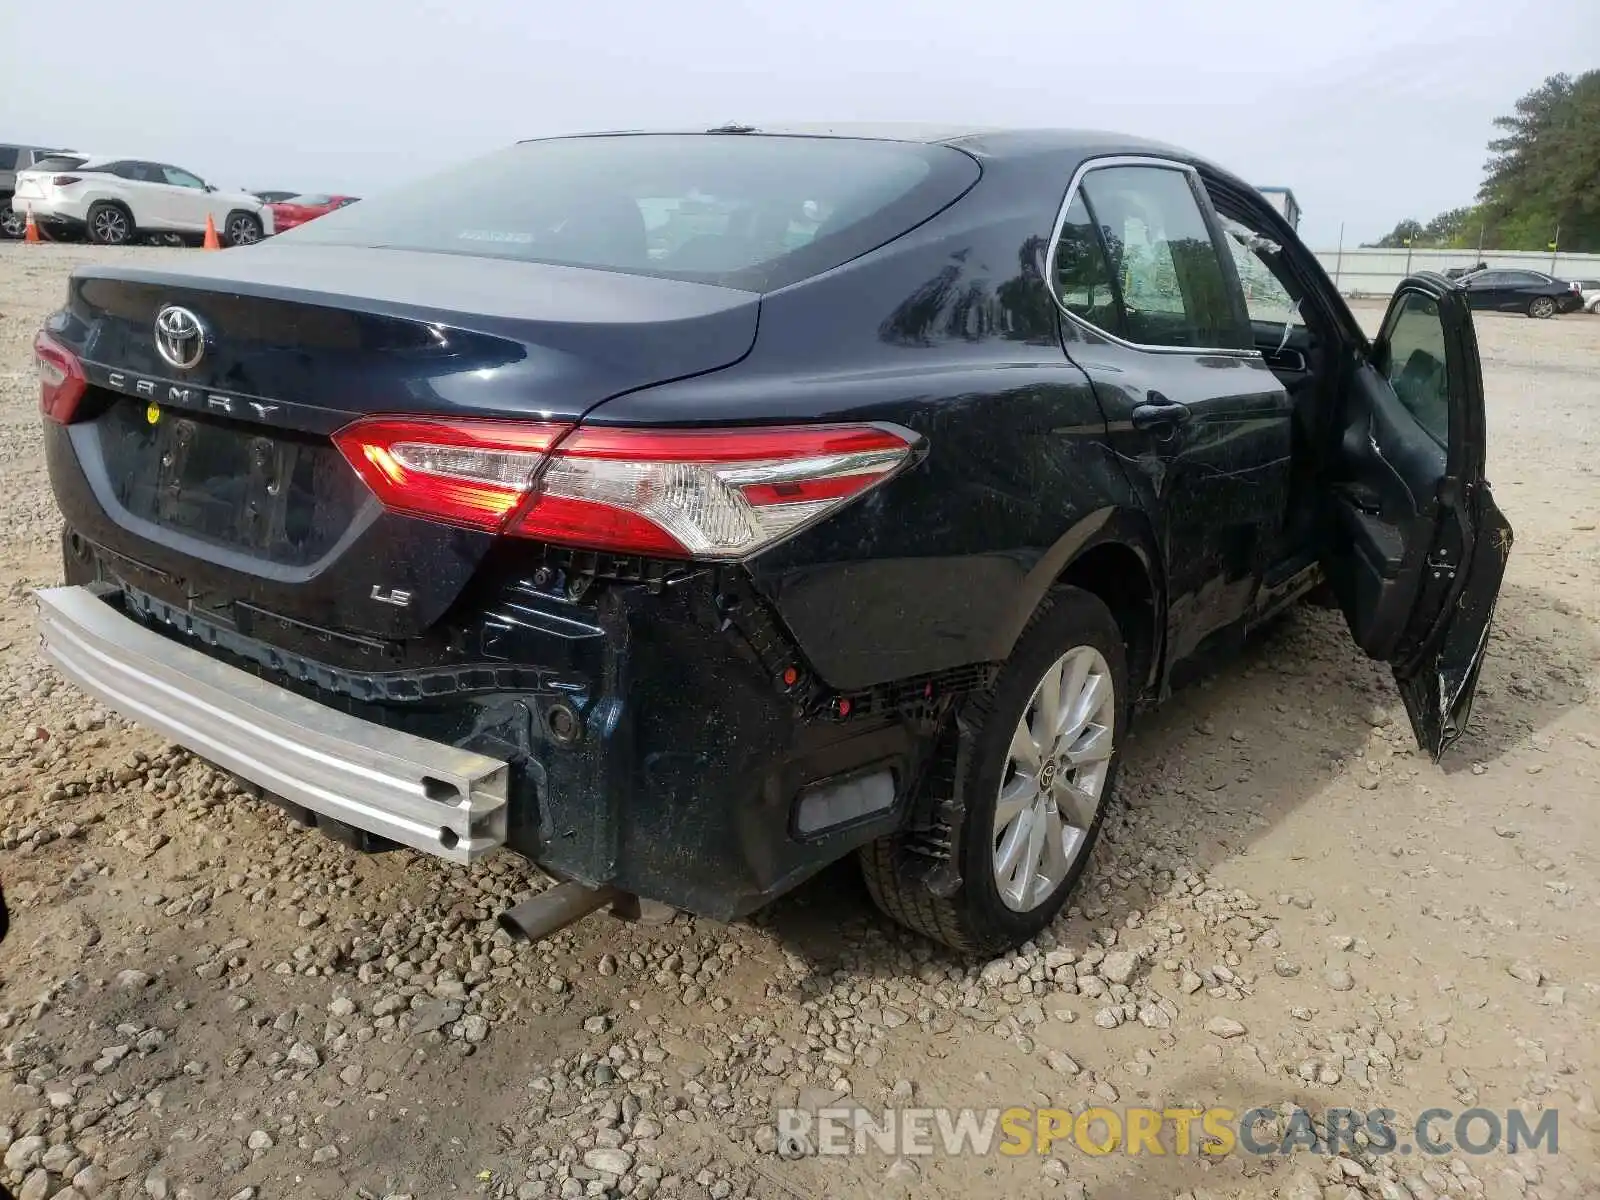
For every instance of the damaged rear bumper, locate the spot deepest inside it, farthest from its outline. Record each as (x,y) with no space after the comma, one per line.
(419,793)
(650,754)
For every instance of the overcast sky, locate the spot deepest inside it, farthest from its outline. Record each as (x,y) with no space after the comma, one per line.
(1371,110)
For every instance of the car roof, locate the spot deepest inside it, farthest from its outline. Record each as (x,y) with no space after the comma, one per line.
(990,141)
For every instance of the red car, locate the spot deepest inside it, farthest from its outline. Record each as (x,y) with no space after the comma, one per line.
(297,210)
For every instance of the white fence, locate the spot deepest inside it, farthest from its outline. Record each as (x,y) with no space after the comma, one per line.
(1369,272)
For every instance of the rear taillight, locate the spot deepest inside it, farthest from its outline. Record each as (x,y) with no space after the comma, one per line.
(715,494)
(61,378)
(63,180)
(472,473)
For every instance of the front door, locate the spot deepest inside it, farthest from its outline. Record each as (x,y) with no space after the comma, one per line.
(1496,291)
(1417,548)
(187,198)
(1198,421)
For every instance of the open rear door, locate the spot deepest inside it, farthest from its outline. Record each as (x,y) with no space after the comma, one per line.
(1417,548)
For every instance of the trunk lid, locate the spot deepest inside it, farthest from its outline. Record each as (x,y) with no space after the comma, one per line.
(218,483)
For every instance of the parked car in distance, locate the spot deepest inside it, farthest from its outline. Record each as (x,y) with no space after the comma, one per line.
(286,214)
(857,520)
(1458,272)
(1589,289)
(1531,292)
(115,201)
(272,196)
(14,158)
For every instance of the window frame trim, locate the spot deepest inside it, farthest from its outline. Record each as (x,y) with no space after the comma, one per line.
(1196,190)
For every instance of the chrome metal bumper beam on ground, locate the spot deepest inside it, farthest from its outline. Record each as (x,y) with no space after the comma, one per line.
(422,794)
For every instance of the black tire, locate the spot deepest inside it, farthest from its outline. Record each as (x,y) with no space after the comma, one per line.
(975,919)
(12,223)
(1541,308)
(111,225)
(241,229)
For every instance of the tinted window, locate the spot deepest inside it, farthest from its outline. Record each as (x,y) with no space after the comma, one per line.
(309,201)
(1174,290)
(128,169)
(748,211)
(8,157)
(180,178)
(1083,276)
(1524,277)
(1414,338)
(59,162)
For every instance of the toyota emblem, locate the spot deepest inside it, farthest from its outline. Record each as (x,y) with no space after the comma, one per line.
(180,337)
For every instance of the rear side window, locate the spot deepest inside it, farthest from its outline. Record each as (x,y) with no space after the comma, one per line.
(8,157)
(1175,291)
(1083,275)
(741,210)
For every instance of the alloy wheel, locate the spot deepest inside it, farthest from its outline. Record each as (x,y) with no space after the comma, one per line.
(1051,792)
(110,227)
(1542,307)
(242,231)
(13,223)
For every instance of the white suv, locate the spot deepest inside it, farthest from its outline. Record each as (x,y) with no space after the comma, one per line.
(1590,290)
(117,200)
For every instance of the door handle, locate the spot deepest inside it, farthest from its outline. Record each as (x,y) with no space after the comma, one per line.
(1160,413)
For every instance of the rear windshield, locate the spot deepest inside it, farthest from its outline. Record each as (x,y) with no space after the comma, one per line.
(59,162)
(309,201)
(742,210)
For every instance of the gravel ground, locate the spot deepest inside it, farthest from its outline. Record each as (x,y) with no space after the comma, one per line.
(1290,906)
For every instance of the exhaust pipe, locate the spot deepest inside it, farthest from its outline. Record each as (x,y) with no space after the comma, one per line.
(556,908)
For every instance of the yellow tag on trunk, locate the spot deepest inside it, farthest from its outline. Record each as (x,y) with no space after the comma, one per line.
(152,414)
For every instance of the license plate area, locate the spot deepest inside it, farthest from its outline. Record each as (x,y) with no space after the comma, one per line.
(279,495)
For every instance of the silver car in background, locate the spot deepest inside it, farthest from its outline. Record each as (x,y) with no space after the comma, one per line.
(14,158)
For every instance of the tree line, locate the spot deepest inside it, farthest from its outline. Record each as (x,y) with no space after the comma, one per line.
(1541,185)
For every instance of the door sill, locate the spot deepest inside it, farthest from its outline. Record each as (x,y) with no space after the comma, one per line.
(1283,587)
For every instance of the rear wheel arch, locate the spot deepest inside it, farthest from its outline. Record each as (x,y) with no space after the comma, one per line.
(1121,577)
(1112,554)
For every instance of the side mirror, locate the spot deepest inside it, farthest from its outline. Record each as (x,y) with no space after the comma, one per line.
(211,187)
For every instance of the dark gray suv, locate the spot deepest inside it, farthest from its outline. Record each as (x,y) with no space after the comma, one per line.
(13,159)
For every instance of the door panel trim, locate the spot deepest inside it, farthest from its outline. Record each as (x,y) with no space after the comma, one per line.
(1124,160)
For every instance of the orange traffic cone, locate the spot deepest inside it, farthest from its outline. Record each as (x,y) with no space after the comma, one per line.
(211,242)
(31,230)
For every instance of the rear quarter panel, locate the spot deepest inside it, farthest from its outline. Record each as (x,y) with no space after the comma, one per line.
(948,332)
